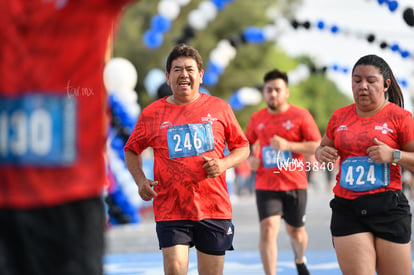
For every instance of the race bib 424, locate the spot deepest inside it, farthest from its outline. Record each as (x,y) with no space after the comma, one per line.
(363,174)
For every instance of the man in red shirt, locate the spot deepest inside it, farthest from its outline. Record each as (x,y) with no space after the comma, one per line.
(188,132)
(285,133)
(52,134)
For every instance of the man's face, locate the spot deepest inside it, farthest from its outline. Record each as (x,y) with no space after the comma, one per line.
(275,93)
(184,78)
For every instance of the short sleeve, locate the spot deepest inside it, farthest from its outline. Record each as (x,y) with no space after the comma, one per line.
(137,141)
(310,129)
(250,130)
(407,130)
(234,134)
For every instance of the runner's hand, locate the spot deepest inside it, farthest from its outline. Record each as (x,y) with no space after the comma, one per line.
(381,152)
(254,163)
(213,166)
(326,154)
(146,191)
(279,143)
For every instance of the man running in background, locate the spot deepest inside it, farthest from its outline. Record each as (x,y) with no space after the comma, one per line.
(285,133)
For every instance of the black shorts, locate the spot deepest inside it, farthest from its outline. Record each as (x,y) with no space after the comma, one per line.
(210,236)
(386,215)
(64,240)
(291,205)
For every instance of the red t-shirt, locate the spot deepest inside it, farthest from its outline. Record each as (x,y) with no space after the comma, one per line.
(52,100)
(352,135)
(281,171)
(179,136)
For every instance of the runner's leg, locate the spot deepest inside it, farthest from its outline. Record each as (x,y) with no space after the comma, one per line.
(269,230)
(176,259)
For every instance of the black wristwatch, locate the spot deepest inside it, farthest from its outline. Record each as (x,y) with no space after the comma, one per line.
(396,156)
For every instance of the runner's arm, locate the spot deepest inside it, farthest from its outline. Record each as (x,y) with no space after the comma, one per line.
(134,164)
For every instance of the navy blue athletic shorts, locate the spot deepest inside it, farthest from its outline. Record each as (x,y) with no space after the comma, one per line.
(291,205)
(386,215)
(210,236)
(65,240)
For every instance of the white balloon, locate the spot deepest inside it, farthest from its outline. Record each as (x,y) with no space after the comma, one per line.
(153,81)
(282,25)
(133,109)
(208,9)
(128,96)
(197,20)
(249,96)
(273,13)
(119,75)
(182,2)
(300,73)
(115,163)
(169,9)
(219,57)
(270,32)
(226,48)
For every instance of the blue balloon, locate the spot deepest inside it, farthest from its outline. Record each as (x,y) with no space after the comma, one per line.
(160,23)
(392,5)
(111,99)
(121,201)
(210,78)
(381,1)
(117,143)
(395,47)
(405,54)
(153,39)
(403,82)
(220,4)
(235,102)
(320,25)
(254,35)
(334,29)
(215,68)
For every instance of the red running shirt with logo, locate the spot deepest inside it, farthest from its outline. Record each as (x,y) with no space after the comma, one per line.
(297,125)
(352,135)
(180,135)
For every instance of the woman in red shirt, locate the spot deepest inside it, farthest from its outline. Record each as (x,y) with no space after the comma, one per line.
(371,218)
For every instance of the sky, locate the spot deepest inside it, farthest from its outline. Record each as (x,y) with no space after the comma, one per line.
(359,18)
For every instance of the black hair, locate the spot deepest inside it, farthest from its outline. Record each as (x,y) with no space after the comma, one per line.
(186,51)
(394,91)
(275,74)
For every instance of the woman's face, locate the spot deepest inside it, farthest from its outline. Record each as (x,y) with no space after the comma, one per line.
(368,87)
